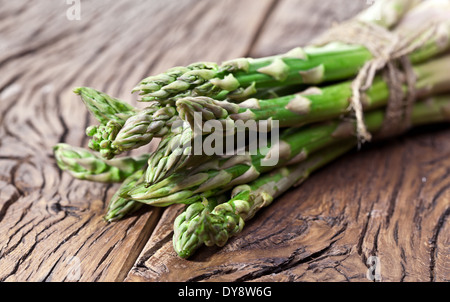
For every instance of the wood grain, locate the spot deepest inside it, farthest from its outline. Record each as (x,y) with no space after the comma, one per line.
(327,229)
(46,217)
(390,199)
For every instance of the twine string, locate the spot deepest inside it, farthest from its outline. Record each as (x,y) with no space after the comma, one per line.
(390,54)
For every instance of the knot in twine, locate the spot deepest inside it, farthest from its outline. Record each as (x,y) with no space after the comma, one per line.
(391,55)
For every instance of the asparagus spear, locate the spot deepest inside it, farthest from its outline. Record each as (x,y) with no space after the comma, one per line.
(241,78)
(118,206)
(238,79)
(187,225)
(312,105)
(123,127)
(138,130)
(141,128)
(104,107)
(83,164)
(110,112)
(103,136)
(216,174)
(173,153)
(199,225)
(160,85)
(220,174)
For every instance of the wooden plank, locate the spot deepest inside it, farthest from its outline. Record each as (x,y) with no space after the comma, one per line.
(295,23)
(390,200)
(50,224)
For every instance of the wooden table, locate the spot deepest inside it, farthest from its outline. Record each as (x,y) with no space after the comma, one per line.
(390,200)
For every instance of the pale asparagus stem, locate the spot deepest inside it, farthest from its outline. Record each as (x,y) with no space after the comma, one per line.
(436,40)
(200,224)
(120,205)
(241,78)
(83,164)
(221,174)
(387,13)
(215,227)
(311,105)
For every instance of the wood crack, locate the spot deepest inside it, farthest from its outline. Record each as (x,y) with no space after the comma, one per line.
(290,262)
(148,253)
(433,242)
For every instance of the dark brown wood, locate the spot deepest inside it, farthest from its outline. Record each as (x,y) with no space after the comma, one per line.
(390,200)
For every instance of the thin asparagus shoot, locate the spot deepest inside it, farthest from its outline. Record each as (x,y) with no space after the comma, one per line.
(84,164)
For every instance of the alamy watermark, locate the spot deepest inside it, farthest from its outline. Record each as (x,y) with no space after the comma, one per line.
(73,13)
(214,137)
(374,271)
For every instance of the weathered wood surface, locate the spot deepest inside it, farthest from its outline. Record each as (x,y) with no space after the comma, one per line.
(390,200)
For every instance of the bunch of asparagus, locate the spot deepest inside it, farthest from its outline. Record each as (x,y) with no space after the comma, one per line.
(304,93)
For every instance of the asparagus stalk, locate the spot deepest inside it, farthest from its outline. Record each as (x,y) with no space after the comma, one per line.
(104,107)
(140,129)
(103,136)
(220,174)
(312,105)
(160,85)
(173,153)
(83,164)
(242,78)
(187,225)
(110,112)
(118,206)
(199,225)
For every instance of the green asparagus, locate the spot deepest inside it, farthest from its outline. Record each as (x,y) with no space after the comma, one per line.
(221,174)
(110,112)
(199,225)
(86,165)
(239,79)
(173,153)
(141,128)
(223,192)
(104,107)
(242,78)
(118,206)
(312,105)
